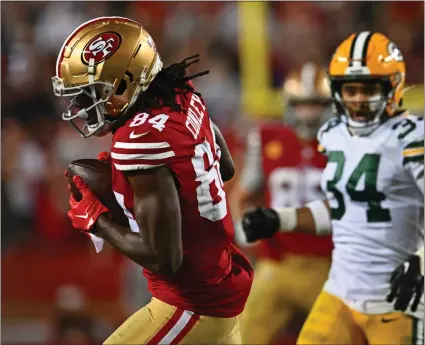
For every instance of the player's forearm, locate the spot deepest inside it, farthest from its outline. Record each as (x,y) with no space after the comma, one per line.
(227,166)
(249,198)
(305,221)
(129,243)
(314,218)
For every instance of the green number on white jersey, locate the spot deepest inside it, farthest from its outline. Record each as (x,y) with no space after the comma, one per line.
(367,167)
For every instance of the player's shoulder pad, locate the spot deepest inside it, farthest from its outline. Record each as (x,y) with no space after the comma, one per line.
(270,125)
(144,127)
(264,131)
(408,128)
(327,127)
(142,143)
(409,132)
(276,127)
(254,136)
(324,130)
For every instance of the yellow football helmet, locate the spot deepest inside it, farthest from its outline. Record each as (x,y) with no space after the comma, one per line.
(104,58)
(307,98)
(369,58)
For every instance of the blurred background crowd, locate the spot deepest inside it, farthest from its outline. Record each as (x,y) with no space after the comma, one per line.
(54,286)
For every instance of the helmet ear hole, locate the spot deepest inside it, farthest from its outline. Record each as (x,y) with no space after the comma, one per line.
(122,87)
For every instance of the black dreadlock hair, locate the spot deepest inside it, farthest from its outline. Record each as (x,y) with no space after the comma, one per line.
(168,83)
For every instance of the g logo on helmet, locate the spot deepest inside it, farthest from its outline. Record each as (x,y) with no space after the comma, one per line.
(101,47)
(394,52)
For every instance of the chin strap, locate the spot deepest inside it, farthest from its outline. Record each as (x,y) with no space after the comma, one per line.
(358,128)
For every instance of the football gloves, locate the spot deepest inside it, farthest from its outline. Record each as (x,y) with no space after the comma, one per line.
(84,213)
(104,156)
(260,223)
(407,284)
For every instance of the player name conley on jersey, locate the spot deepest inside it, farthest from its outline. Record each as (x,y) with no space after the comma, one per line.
(195,115)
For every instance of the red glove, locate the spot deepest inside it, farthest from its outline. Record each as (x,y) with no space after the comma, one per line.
(84,213)
(104,156)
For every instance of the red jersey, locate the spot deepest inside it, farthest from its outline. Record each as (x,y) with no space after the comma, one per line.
(215,277)
(292,170)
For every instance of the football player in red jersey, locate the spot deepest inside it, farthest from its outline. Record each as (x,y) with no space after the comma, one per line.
(168,166)
(283,167)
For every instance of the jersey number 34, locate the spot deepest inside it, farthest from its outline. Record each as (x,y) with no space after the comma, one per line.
(367,167)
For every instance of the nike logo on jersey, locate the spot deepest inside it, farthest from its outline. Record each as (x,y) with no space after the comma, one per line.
(135,136)
(84,217)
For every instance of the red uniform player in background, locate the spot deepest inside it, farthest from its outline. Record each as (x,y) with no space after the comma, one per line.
(168,166)
(283,169)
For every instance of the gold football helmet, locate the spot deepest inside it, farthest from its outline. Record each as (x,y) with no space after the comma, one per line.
(371,62)
(307,99)
(102,61)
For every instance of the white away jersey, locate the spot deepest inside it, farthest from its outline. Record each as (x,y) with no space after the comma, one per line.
(374,186)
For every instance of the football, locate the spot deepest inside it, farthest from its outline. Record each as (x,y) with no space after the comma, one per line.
(98,176)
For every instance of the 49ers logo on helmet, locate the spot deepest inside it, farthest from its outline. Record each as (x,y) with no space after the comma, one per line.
(101,47)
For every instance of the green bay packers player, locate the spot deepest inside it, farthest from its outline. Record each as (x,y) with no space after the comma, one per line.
(283,166)
(374,182)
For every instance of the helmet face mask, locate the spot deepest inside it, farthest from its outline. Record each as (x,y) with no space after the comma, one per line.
(308,116)
(102,68)
(86,103)
(367,75)
(307,96)
(363,105)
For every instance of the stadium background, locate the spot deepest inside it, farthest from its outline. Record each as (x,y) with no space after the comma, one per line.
(55,289)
